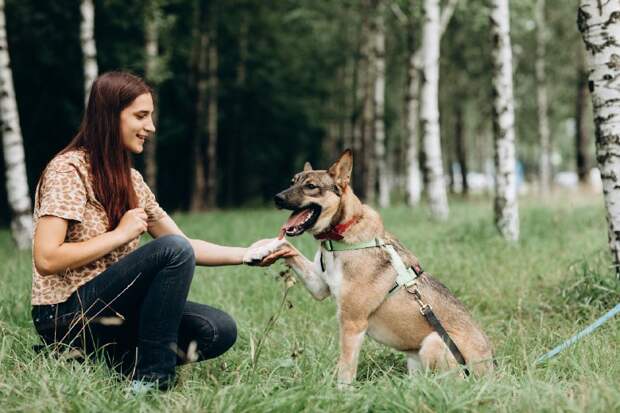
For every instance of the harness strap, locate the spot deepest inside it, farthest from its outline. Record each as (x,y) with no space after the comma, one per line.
(406,278)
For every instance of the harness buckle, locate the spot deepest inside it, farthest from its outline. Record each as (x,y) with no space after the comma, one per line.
(410,283)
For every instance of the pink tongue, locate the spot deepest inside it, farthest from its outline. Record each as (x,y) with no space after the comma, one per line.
(297,219)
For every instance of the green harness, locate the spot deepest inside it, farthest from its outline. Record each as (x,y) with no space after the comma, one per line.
(406,278)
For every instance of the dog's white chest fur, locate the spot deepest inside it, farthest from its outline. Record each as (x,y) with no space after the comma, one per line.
(333,271)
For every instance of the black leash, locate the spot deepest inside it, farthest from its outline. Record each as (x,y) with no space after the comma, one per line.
(431,318)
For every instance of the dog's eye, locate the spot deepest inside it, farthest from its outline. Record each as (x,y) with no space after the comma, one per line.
(310,186)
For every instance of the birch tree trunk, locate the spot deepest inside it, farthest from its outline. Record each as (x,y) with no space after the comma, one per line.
(412,105)
(13,148)
(599,24)
(414,174)
(379,106)
(151,69)
(212,112)
(581,131)
(541,99)
(429,114)
(362,117)
(89,50)
(370,164)
(198,197)
(506,208)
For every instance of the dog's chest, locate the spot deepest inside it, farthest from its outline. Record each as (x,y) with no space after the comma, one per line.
(333,271)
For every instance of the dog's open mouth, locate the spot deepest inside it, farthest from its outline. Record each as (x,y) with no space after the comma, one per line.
(301,219)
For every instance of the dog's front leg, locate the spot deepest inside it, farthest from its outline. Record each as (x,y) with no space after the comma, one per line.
(352,334)
(308,273)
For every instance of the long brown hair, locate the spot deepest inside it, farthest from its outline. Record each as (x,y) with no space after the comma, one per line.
(100,136)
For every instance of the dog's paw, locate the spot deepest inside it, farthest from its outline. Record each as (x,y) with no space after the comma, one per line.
(255,254)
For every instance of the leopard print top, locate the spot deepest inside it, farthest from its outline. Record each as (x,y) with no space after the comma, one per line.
(66,191)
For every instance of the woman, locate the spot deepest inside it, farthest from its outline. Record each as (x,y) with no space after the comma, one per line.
(93,288)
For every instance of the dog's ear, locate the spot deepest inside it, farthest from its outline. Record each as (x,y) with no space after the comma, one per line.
(307,167)
(341,169)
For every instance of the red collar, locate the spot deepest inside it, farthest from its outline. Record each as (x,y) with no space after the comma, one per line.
(335,232)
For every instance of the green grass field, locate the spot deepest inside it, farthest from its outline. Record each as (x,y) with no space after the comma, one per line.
(528,297)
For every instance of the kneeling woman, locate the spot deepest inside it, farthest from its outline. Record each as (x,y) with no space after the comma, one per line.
(93,288)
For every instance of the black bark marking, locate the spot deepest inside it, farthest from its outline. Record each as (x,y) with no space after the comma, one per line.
(613,18)
(591,86)
(582,20)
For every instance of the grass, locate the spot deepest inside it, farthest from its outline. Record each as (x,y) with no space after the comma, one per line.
(528,297)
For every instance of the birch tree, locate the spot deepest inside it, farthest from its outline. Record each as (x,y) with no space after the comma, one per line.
(599,24)
(412,104)
(379,105)
(429,114)
(541,99)
(89,50)
(362,117)
(368,114)
(505,205)
(13,148)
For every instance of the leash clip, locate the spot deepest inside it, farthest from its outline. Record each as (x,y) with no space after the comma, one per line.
(413,290)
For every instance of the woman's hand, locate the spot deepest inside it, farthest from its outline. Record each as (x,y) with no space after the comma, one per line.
(133,224)
(267,251)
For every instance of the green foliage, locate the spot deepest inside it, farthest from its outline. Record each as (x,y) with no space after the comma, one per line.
(286,75)
(522,295)
(588,288)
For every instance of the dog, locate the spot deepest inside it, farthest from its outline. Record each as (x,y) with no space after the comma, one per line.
(323,204)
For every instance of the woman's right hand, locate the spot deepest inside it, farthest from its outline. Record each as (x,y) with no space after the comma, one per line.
(133,224)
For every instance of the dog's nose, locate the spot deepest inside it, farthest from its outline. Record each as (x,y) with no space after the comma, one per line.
(279,200)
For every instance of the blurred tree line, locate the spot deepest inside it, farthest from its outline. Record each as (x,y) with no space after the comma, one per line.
(288,81)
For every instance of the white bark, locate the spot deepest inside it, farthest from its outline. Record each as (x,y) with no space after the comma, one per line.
(599,23)
(379,105)
(541,98)
(429,114)
(13,148)
(414,175)
(89,50)
(506,208)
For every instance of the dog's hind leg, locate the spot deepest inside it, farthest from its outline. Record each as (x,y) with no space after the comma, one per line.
(414,364)
(435,355)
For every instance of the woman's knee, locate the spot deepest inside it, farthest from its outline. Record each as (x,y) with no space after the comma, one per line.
(227,331)
(214,331)
(178,246)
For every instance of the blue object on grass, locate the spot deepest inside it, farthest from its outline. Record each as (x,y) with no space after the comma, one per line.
(606,317)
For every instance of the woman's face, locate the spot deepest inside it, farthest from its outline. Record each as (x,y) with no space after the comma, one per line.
(137,123)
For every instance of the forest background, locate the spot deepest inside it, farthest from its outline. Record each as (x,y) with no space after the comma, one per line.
(287,79)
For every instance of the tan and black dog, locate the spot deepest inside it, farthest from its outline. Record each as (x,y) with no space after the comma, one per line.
(324,204)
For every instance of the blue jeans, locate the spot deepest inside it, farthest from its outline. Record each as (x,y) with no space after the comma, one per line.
(136,312)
